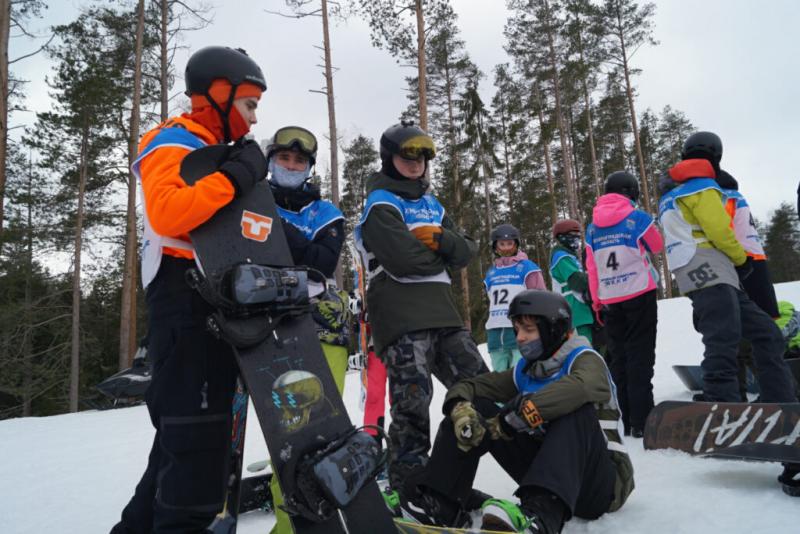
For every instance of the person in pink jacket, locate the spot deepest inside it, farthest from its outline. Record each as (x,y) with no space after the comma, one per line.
(618,244)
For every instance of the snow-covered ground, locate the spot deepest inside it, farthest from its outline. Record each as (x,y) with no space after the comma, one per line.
(74,473)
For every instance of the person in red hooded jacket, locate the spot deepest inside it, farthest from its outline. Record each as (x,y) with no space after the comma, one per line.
(194,374)
(621,277)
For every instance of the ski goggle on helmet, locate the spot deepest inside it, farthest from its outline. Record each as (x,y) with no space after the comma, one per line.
(407,141)
(294,137)
(417,147)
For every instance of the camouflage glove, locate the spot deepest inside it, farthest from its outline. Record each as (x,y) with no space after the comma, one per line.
(496,429)
(429,235)
(332,317)
(467,424)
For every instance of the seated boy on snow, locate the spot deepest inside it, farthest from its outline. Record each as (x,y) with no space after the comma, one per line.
(558,434)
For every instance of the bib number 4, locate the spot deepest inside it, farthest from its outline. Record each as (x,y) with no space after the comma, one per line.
(612,262)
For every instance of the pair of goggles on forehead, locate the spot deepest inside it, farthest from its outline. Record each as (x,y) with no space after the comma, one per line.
(295,136)
(416,147)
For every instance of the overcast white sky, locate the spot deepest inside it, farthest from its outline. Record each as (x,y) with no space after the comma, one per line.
(731,65)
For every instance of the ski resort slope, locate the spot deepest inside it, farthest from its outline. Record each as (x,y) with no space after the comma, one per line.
(74,473)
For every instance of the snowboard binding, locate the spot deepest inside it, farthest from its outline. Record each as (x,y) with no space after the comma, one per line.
(327,477)
(247,294)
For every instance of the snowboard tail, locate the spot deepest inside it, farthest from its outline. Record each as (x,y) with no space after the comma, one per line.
(692,378)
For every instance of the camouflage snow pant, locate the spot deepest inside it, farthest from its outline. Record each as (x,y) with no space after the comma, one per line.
(450,355)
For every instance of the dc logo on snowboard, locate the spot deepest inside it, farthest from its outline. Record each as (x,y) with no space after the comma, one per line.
(256,227)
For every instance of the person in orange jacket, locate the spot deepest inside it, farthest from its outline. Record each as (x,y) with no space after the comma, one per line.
(194,374)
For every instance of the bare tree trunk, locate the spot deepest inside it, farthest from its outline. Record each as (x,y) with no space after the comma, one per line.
(587,102)
(457,191)
(127,322)
(507,164)
(574,161)
(632,109)
(572,202)
(488,173)
(421,67)
(548,164)
(334,142)
(486,191)
(164,72)
(5,24)
(74,374)
(27,377)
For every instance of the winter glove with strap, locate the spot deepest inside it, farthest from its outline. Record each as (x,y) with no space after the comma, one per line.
(522,415)
(245,167)
(429,235)
(467,424)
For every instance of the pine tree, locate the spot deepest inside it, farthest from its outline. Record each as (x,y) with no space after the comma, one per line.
(361,161)
(76,142)
(782,244)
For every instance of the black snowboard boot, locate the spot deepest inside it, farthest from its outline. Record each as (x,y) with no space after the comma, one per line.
(429,507)
(548,509)
(790,479)
(540,512)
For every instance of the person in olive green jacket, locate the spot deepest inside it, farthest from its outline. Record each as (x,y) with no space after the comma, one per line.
(407,244)
(709,263)
(558,434)
(568,275)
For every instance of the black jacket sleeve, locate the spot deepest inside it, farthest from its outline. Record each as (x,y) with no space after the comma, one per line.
(322,253)
(395,248)
(456,248)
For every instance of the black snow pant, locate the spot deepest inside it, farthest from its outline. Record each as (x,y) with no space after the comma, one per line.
(570,460)
(189,401)
(723,315)
(631,331)
(760,290)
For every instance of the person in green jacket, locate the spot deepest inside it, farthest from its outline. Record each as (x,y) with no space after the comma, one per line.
(558,433)
(568,275)
(408,245)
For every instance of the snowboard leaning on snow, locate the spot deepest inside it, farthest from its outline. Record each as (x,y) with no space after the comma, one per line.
(768,432)
(739,430)
(282,364)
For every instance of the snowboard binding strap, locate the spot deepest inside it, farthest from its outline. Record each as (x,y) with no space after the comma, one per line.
(326,478)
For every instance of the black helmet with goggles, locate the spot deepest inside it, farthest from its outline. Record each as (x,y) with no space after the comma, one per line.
(407,141)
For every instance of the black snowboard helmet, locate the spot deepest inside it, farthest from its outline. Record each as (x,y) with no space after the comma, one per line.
(551,312)
(624,183)
(703,145)
(221,62)
(504,231)
(726,181)
(407,141)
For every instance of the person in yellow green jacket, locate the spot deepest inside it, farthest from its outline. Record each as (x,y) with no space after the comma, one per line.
(789,323)
(708,263)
